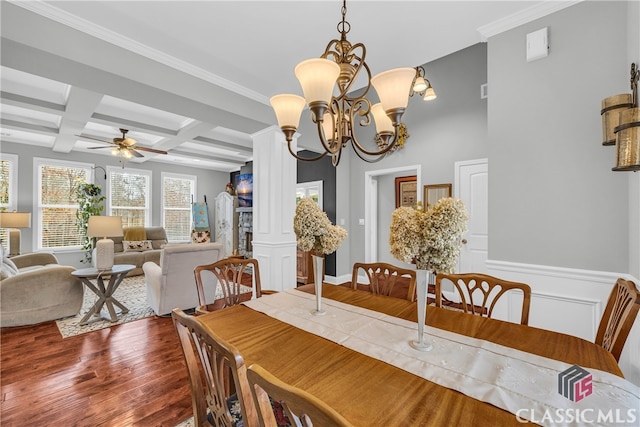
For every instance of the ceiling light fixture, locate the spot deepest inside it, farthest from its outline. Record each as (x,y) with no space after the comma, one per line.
(336,115)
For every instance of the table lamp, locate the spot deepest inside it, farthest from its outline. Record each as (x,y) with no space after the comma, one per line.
(13,221)
(104,226)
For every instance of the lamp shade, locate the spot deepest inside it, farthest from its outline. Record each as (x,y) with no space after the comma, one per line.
(420,84)
(317,77)
(104,226)
(288,109)
(383,122)
(430,94)
(393,87)
(15,219)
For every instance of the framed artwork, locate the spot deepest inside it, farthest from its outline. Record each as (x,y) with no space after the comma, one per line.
(435,192)
(406,191)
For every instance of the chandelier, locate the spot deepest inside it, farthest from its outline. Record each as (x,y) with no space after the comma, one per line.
(335,115)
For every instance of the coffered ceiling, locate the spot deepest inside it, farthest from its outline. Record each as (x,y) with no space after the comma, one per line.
(194,78)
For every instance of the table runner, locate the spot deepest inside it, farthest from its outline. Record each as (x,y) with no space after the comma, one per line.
(519,382)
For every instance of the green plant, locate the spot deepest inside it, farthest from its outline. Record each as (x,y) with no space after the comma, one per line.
(89,204)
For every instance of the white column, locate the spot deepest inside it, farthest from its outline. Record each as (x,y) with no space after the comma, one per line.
(274,179)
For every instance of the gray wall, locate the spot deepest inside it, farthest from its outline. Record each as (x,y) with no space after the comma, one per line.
(553,198)
(210,184)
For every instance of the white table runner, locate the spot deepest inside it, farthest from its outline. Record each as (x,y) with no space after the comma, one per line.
(521,383)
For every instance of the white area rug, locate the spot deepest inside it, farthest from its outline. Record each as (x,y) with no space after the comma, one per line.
(132,292)
(187,423)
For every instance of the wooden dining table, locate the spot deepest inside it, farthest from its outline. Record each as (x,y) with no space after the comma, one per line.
(369,392)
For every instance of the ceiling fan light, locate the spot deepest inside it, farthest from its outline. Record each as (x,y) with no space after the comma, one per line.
(393,87)
(114,151)
(288,108)
(317,76)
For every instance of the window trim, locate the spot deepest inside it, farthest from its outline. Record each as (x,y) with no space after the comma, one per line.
(13,181)
(36,215)
(192,178)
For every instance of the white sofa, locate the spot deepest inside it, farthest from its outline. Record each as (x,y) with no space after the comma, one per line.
(172,284)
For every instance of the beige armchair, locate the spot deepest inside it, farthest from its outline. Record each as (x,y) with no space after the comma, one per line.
(40,290)
(172,284)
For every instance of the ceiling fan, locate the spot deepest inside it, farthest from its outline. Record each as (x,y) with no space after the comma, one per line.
(123,146)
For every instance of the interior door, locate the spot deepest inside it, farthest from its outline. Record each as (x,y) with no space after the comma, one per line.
(472,187)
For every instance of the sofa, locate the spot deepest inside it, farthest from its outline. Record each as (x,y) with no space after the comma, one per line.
(172,284)
(139,245)
(34,288)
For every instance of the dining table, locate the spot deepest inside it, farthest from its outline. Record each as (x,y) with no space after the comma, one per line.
(372,391)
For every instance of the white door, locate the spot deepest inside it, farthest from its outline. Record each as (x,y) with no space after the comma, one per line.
(472,187)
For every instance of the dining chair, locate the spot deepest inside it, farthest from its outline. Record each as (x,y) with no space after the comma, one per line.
(384,277)
(479,293)
(217,375)
(298,404)
(234,276)
(618,318)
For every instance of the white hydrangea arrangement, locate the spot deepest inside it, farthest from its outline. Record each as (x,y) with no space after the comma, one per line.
(314,231)
(431,238)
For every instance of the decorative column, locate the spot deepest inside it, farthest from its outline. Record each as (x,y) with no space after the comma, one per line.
(274,201)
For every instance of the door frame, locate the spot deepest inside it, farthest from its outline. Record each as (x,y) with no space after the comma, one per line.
(371,205)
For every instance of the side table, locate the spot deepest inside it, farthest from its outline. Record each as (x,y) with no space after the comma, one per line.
(104,293)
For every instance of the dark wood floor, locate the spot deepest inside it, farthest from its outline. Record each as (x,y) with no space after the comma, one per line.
(127,375)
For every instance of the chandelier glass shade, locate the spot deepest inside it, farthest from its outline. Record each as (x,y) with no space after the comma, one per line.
(327,84)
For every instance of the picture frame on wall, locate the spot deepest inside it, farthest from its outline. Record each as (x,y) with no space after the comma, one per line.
(406,191)
(435,192)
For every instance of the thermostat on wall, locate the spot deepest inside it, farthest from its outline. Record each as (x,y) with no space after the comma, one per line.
(537,44)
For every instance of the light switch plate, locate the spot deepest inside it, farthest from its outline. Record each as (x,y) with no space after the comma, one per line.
(537,44)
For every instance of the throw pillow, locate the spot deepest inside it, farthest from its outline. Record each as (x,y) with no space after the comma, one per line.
(136,245)
(200,236)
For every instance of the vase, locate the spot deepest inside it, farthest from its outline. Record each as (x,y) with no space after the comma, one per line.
(423,278)
(318,270)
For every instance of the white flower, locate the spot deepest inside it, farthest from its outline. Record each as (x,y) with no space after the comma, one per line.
(430,239)
(314,231)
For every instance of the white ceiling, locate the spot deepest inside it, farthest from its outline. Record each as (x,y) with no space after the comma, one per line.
(194,77)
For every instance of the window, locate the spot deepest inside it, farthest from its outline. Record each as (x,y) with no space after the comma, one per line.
(178,191)
(8,188)
(311,189)
(57,203)
(129,196)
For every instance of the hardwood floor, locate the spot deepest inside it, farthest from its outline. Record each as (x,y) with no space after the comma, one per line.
(127,375)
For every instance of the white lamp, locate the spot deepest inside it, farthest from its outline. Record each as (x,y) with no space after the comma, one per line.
(104,226)
(14,221)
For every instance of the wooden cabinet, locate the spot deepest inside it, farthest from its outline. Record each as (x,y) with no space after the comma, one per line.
(304,268)
(226,223)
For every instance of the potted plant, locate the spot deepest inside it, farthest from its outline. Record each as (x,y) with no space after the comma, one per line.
(90,200)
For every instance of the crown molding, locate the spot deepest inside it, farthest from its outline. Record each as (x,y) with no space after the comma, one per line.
(49,11)
(524,16)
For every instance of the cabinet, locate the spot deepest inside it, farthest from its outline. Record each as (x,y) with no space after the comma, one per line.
(226,225)
(304,268)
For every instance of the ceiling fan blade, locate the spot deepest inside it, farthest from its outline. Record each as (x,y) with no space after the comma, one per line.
(104,146)
(134,152)
(93,138)
(151,150)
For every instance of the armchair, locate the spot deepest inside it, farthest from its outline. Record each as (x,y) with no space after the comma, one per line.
(37,290)
(171,284)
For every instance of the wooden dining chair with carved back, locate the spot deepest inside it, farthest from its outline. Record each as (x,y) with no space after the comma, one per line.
(383,278)
(235,276)
(618,317)
(299,405)
(217,375)
(479,293)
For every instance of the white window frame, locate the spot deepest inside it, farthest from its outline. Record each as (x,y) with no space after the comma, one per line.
(12,204)
(147,173)
(191,178)
(311,185)
(36,216)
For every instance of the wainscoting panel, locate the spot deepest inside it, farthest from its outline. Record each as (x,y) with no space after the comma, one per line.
(570,301)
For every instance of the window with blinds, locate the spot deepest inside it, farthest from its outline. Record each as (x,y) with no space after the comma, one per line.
(177,193)
(130,196)
(8,189)
(57,202)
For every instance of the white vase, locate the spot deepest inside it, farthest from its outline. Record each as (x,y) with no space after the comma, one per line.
(422,282)
(318,270)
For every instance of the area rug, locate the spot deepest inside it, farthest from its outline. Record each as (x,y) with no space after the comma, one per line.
(132,292)
(187,423)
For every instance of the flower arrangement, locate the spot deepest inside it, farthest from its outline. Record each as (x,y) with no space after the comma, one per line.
(429,238)
(314,231)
